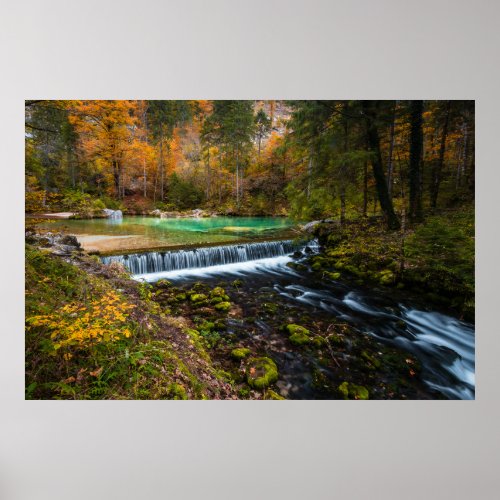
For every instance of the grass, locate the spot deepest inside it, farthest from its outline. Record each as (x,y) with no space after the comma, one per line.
(140,364)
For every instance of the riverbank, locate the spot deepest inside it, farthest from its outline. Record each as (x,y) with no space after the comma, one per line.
(93,333)
(433,261)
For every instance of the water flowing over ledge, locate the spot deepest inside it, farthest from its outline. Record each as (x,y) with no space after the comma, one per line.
(444,345)
(157,262)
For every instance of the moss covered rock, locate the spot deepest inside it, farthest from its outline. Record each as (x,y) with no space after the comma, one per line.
(219,293)
(164,283)
(240,353)
(223,306)
(292,329)
(273,395)
(332,276)
(353,391)
(386,277)
(298,335)
(299,338)
(198,297)
(261,372)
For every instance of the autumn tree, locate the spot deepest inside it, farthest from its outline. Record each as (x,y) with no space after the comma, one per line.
(262,127)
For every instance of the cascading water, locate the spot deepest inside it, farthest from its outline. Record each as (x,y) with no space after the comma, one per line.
(164,262)
(444,345)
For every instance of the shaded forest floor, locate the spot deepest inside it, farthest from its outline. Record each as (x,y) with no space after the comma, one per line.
(433,260)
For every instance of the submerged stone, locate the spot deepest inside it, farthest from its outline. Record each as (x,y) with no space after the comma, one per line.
(261,372)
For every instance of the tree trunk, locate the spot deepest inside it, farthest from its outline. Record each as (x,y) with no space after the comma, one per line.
(237,182)
(208,175)
(343,174)
(391,149)
(369,108)
(365,189)
(414,170)
(116,177)
(162,170)
(309,173)
(438,167)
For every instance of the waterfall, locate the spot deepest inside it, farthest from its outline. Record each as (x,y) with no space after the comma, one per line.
(113,214)
(155,262)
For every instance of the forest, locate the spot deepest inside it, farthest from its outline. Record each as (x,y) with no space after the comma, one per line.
(309,159)
(237,249)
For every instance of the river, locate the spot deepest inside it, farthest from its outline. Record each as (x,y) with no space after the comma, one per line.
(444,346)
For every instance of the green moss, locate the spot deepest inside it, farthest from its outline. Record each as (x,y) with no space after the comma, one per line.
(180,297)
(353,391)
(373,362)
(207,326)
(335,339)
(219,293)
(164,283)
(386,277)
(292,329)
(198,297)
(318,341)
(223,306)
(240,353)
(261,372)
(176,391)
(273,395)
(317,266)
(299,338)
(220,324)
(270,307)
(243,393)
(332,276)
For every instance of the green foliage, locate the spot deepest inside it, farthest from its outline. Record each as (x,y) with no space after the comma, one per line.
(441,255)
(183,194)
(82,203)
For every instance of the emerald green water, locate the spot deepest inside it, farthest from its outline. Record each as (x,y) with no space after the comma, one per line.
(178,232)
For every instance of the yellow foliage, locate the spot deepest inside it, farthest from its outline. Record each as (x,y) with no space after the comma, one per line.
(79,324)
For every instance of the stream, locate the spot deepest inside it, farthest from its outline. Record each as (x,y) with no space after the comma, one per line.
(444,346)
